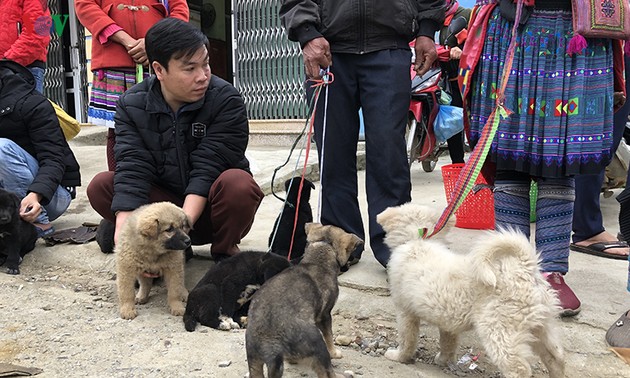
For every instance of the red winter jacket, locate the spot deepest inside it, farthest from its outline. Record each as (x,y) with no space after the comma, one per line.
(24,30)
(134,16)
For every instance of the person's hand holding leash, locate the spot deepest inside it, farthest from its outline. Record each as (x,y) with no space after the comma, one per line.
(425,54)
(317,55)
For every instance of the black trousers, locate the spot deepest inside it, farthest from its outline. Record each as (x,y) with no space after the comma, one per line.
(587,216)
(379,83)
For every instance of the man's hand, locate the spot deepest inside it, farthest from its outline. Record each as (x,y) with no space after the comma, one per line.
(193,207)
(316,55)
(455,53)
(121,217)
(425,54)
(30,207)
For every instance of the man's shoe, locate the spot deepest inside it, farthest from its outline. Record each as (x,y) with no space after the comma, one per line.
(568,300)
(105,236)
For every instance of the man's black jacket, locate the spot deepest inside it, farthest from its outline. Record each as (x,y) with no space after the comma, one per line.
(183,153)
(361,26)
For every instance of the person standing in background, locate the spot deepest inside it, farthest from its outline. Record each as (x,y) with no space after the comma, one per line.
(25,35)
(554,105)
(451,68)
(118,30)
(366,45)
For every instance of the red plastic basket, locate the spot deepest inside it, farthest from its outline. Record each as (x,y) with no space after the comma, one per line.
(477,210)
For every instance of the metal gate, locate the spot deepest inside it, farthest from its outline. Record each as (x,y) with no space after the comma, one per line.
(66,77)
(268,67)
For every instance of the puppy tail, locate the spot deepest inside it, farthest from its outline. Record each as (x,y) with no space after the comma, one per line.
(500,251)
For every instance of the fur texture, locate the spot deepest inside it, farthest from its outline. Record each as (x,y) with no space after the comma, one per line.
(151,244)
(284,223)
(222,296)
(289,317)
(496,289)
(17,237)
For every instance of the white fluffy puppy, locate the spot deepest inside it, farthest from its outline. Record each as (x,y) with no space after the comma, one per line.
(496,289)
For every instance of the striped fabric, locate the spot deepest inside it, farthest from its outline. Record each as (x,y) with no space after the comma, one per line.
(554,218)
(562,105)
(107,86)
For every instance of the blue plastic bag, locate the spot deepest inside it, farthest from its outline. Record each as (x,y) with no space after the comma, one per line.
(449,121)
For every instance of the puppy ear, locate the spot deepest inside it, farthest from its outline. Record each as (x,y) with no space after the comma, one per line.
(149,227)
(310,184)
(387,217)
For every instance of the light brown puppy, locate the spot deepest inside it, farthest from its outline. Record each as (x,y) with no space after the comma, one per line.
(289,317)
(151,244)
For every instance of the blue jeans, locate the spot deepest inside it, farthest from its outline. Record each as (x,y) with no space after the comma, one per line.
(38,73)
(18,170)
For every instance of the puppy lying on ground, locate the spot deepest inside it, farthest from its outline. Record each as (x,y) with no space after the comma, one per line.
(289,316)
(284,223)
(17,237)
(151,244)
(496,289)
(222,295)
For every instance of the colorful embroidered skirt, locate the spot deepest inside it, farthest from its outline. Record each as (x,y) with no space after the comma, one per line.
(107,86)
(562,105)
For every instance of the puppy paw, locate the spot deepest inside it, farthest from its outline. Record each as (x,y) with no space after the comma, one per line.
(177,309)
(392,354)
(184,295)
(441,359)
(336,353)
(142,299)
(13,271)
(128,312)
(226,323)
(395,355)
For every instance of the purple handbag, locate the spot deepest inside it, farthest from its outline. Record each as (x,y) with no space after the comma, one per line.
(601,18)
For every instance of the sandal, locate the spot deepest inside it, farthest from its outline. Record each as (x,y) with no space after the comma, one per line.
(600,249)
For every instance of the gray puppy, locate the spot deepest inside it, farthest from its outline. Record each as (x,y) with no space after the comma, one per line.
(289,317)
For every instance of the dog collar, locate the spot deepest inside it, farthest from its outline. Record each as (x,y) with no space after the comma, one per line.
(150,274)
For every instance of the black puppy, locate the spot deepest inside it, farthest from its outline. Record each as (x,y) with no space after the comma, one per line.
(282,242)
(17,237)
(222,296)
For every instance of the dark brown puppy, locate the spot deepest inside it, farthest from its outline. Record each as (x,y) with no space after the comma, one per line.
(289,317)
(222,295)
(17,237)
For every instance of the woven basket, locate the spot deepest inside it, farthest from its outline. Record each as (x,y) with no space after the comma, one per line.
(477,210)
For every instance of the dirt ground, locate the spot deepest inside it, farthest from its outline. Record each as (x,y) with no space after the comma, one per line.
(64,320)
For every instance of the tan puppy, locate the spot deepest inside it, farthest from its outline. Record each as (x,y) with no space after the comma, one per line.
(289,317)
(151,244)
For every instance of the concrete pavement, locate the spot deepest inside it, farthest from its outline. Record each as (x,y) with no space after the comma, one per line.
(599,283)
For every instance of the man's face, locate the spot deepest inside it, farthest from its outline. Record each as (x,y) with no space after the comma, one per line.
(186,79)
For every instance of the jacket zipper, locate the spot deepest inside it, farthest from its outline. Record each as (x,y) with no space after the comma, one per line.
(180,160)
(362,27)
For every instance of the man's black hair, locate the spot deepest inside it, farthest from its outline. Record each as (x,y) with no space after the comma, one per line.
(173,38)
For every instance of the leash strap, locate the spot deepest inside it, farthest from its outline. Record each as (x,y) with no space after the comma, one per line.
(327,78)
(471,169)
